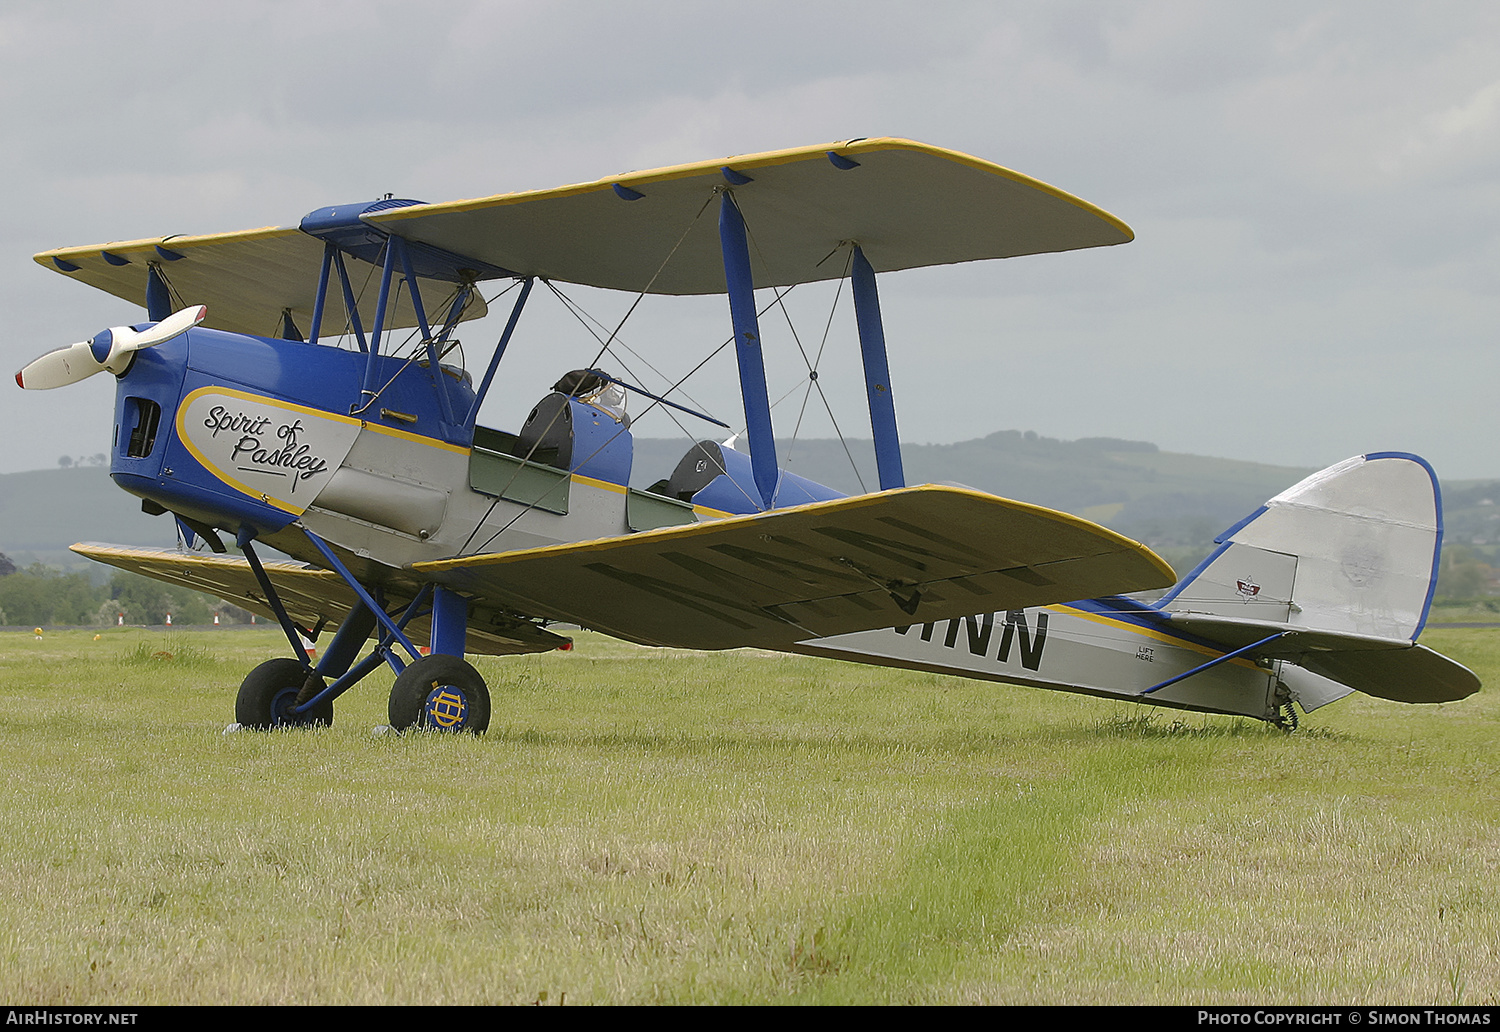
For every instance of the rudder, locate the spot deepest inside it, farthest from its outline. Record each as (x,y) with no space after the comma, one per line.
(1353,548)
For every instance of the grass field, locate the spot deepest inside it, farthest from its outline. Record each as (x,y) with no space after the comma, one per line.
(653,826)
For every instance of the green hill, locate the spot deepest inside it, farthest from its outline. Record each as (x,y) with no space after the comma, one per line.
(42,512)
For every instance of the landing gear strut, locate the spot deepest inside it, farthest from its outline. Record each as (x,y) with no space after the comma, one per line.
(440,692)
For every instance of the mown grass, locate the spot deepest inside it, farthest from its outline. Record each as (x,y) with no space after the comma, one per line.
(652,826)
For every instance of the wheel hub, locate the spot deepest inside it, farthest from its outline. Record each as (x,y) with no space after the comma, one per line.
(446,708)
(282,706)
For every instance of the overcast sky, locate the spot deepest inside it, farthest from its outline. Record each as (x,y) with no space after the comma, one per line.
(1314,188)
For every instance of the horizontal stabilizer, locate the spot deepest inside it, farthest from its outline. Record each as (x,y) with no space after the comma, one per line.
(1390,668)
(770,580)
(311,596)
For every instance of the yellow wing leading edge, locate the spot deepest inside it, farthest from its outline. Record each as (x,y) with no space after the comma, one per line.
(900,557)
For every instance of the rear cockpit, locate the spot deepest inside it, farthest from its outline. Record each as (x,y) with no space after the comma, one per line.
(581,430)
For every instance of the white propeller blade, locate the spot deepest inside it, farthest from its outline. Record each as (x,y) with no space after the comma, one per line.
(59,368)
(108,350)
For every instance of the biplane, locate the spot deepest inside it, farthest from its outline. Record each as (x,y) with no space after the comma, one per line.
(271,398)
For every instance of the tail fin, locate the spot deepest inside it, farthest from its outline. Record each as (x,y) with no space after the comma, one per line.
(1352,549)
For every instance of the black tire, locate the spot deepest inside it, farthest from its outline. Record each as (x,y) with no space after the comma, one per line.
(440,693)
(269,691)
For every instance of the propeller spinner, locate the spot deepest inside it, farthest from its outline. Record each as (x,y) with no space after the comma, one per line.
(108,350)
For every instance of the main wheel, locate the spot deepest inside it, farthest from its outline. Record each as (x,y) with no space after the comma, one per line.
(268,694)
(442,693)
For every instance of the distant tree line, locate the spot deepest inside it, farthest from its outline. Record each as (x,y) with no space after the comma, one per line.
(68,461)
(1464,574)
(40,595)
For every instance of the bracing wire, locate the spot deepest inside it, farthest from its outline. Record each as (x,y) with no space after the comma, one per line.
(580,315)
(779,295)
(603,348)
(812,365)
(587,319)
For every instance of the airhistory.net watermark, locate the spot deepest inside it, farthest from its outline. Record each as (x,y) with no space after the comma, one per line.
(67,1016)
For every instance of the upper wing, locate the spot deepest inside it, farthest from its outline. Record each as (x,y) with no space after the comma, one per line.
(906,204)
(772,579)
(310,596)
(246,279)
(1391,668)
